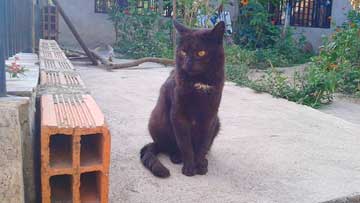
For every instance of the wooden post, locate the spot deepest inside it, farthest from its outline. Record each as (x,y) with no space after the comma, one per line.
(75,33)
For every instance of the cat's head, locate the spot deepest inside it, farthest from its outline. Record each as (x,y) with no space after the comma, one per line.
(200,50)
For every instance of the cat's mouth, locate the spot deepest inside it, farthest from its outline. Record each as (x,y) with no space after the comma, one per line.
(193,72)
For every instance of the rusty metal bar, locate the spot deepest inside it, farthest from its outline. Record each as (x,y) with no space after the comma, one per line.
(2,72)
(16,28)
(2,48)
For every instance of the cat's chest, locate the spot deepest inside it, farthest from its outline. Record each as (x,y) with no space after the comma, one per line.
(200,100)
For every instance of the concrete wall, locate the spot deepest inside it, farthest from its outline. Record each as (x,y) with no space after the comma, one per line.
(13,120)
(30,162)
(22,90)
(339,15)
(94,28)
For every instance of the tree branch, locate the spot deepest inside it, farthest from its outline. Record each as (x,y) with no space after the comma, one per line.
(164,61)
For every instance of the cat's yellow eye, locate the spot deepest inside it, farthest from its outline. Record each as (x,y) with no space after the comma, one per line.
(182,53)
(201,53)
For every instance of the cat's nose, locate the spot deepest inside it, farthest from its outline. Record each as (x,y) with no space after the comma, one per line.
(188,63)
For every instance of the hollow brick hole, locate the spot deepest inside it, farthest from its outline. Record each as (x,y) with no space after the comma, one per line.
(90,187)
(91,150)
(61,188)
(60,151)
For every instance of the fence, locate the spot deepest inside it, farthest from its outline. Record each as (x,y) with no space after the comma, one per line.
(18,33)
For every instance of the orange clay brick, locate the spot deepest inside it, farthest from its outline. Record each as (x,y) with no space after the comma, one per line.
(56,78)
(57,82)
(48,45)
(55,65)
(52,55)
(75,150)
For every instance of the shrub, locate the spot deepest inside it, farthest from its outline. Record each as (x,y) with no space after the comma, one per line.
(313,88)
(256,32)
(340,55)
(254,29)
(237,73)
(336,68)
(236,55)
(141,34)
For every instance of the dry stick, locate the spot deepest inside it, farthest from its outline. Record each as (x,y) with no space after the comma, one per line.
(69,52)
(110,66)
(75,33)
(78,58)
(164,61)
(102,59)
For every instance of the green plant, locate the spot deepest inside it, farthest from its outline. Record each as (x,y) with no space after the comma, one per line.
(237,73)
(340,55)
(256,32)
(236,55)
(273,55)
(254,28)
(141,33)
(313,88)
(336,68)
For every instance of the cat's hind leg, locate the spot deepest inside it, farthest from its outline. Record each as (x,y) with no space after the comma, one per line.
(159,130)
(162,134)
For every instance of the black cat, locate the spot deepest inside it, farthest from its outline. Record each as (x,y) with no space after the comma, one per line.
(185,119)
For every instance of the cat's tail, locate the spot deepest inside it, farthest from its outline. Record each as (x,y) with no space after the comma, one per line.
(150,161)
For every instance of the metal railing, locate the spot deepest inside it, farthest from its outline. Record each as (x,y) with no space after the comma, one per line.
(17,31)
(304,13)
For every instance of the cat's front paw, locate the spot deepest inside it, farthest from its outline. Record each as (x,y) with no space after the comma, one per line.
(189,170)
(202,167)
(176,158)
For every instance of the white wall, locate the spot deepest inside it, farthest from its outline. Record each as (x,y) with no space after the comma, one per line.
(94,28)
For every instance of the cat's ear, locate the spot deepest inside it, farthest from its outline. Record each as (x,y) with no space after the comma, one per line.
(218,31)
(181,29)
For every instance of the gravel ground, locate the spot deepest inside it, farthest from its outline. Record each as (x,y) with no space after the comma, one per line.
(269,150)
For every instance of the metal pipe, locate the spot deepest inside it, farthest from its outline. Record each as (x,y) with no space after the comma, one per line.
(2,72)
(2,49)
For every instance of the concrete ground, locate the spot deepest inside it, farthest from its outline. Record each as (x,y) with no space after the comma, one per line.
(269,150)
(345,108)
